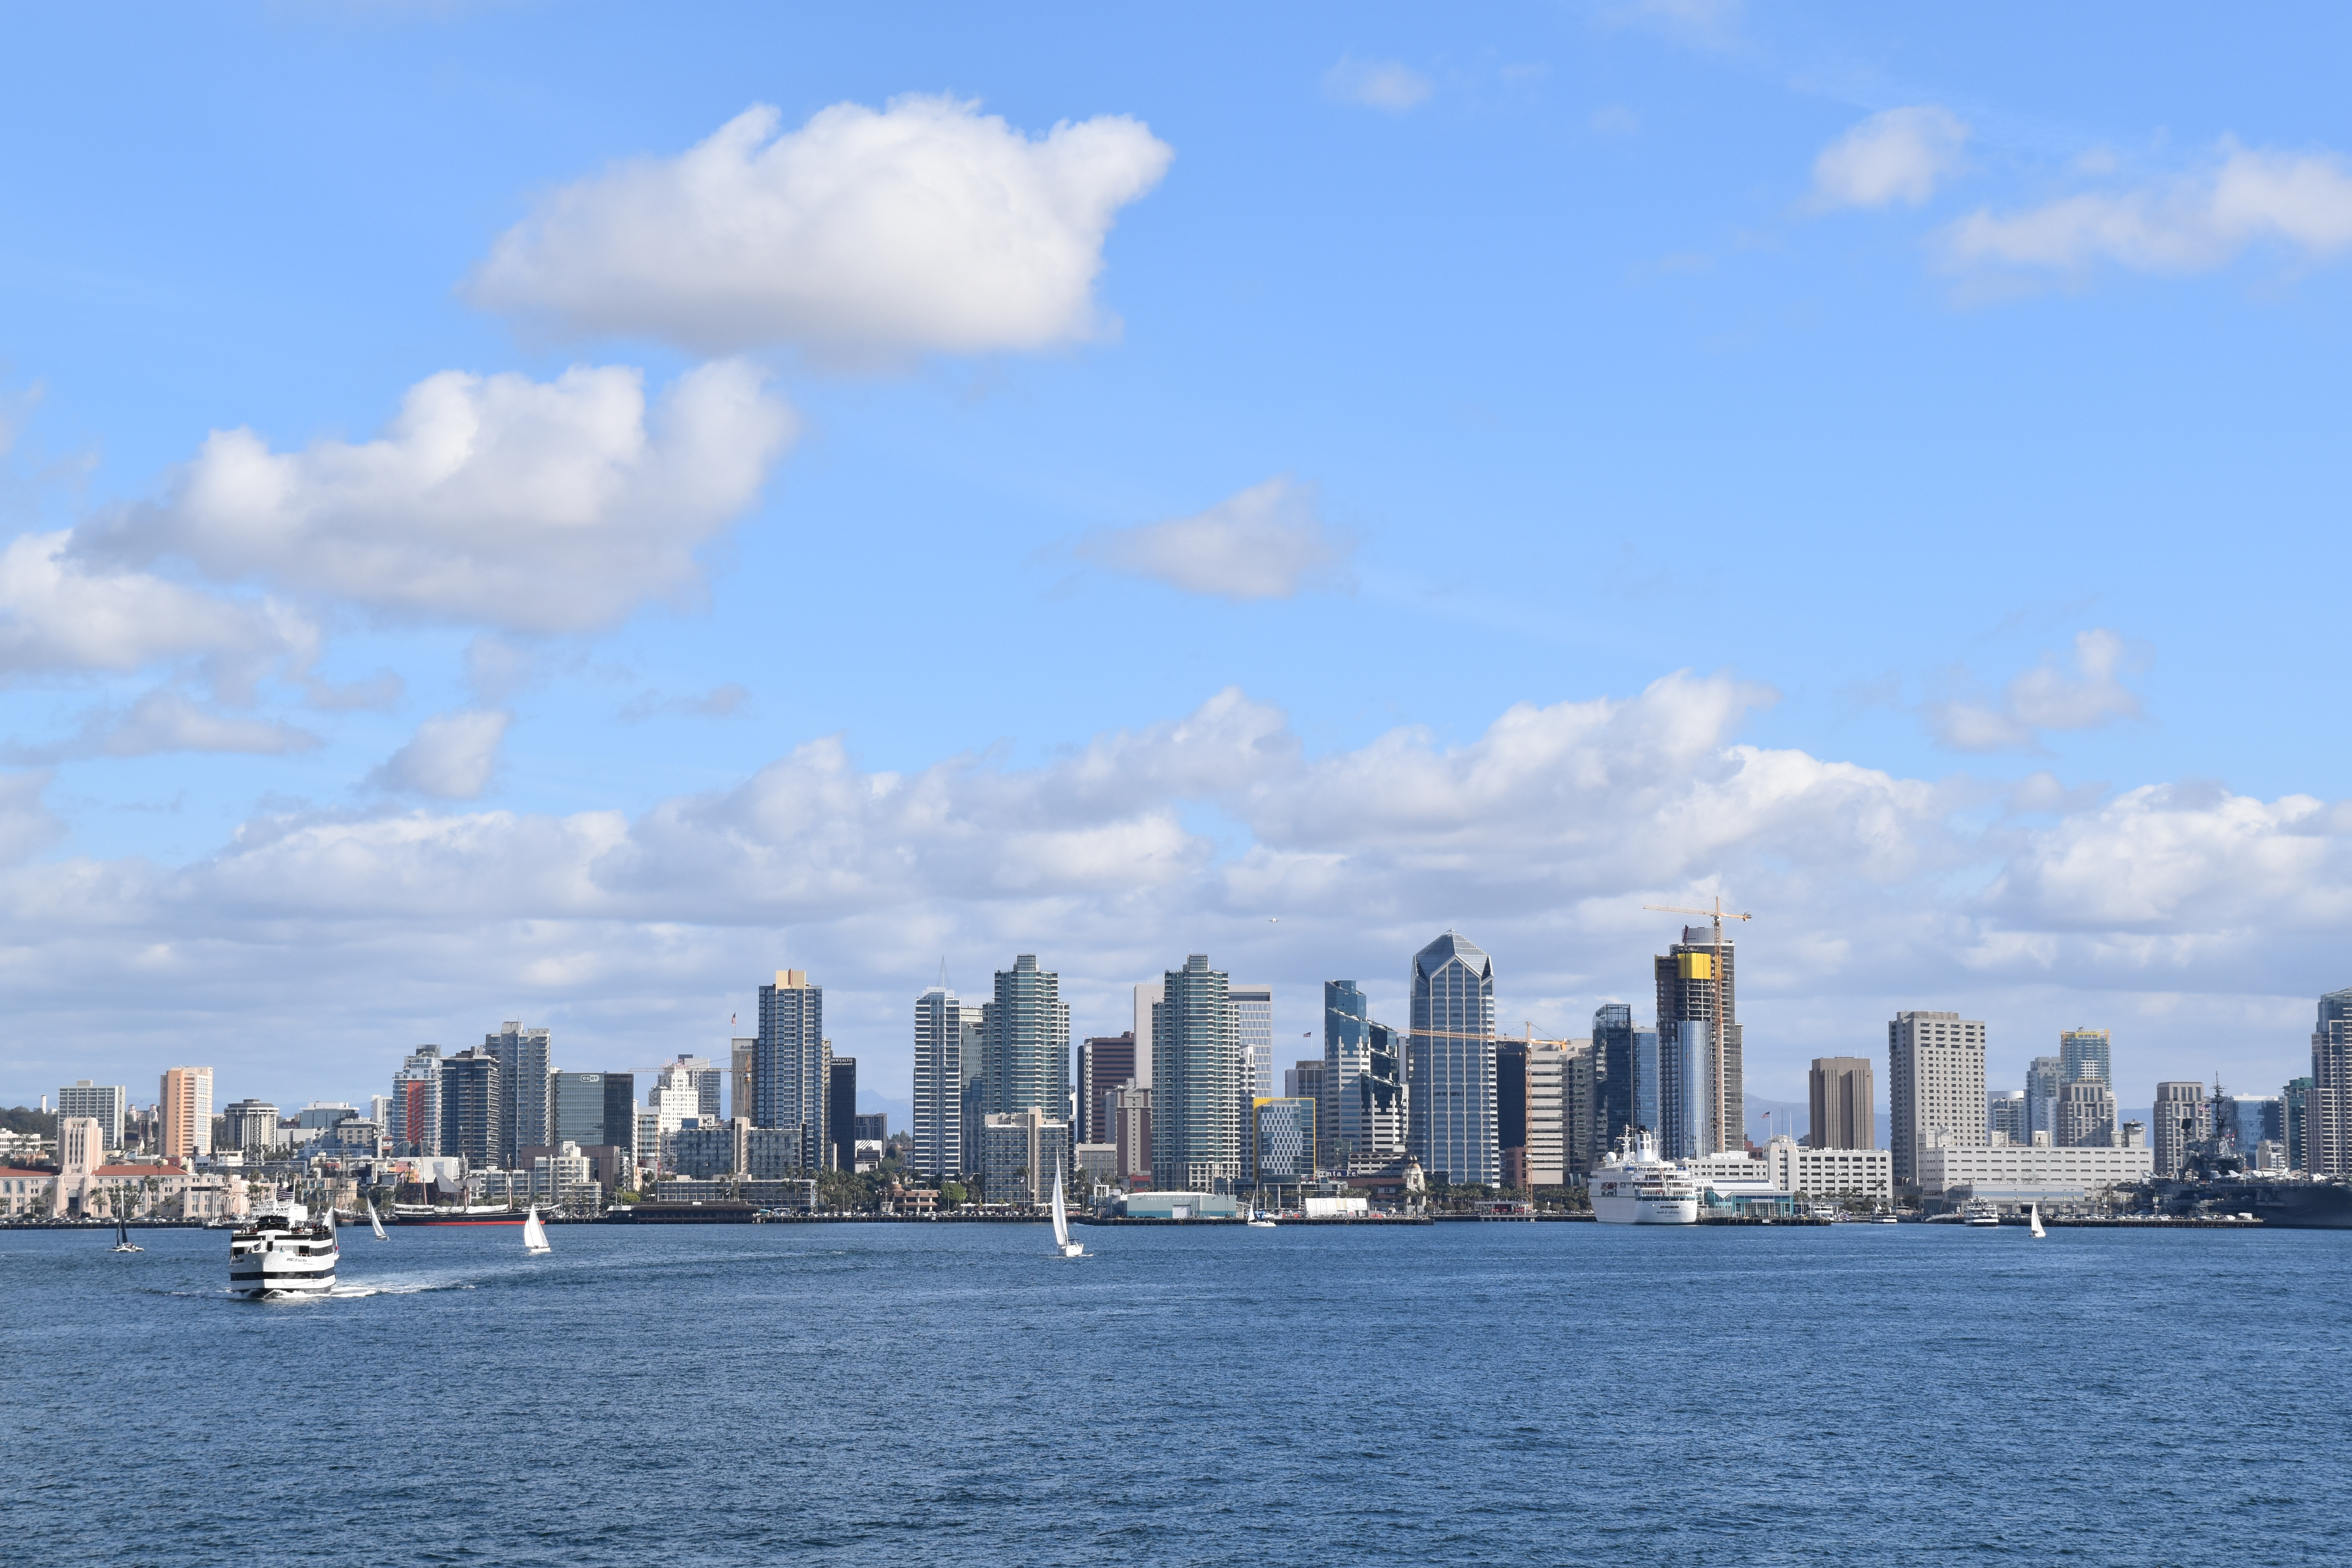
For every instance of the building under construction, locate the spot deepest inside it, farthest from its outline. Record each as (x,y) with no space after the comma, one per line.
(1701,1087)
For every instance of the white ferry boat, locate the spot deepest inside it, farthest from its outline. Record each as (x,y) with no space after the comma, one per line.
(1633,1186)
(283,1254)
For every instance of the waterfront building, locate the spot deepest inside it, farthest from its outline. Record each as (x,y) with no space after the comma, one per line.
(2295,1107)
(1844,1106)
(1027,1047)
(2327,1104)
(1936,1086)
(253,1126)
(2086,1056)
(107,1104)
(2043,1075)
(1614,1072)
(870,1139)
(1697,983)
(770,1153)
(1282,1139)
(841,1114)
(1450,1100)
(2181,1119)
(565,1179)
(938,1150)
(2005,1115)
(1361,1108)
(1554,1125)
(1019,1154)
(523,1056)
(1822,1170)
(1130,1128)
(183,1107)
(742,1071)
(1254,1029)
(416,1121)
(1199,1114)
(1106,1062)
(2087,1115)
(473,1107)
(785,1194)
(26,1193)
(583,1107)
(704,1150)
(1685,1099)
(1096,1165)
(2037,1172)
(790,1070)
(1169,1204)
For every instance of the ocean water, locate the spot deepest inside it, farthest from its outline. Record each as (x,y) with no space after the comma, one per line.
(915,1394)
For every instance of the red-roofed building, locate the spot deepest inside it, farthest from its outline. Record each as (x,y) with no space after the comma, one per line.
(24,1193)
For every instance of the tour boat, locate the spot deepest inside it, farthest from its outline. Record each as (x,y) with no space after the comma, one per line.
(1979,1211)
(534,1235)
(283,1254)
(1062,1242)
(122,1242)
(1633,1186)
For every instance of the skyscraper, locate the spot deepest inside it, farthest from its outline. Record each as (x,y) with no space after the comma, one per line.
(2295,1109)
(742,1071)
(1612,1072)
(2044,1076)
(522,1088)
(1105,1063)
(1686,1096)
(184,1111)
(841,1114)
(1552,1120)
(473,1107)
(788,1063)
(576,1104)
(1253,1028)
(1452,1117)
(2087,1115)
(2085,1056)
(708,1081)
(2327,1104)
(415,1126)
(938,1149)
(1511,1110)
(620,1110)
(1698,982)
(1936,1086)
(1282,1140)
(1198,1113)
(2181,1119)
(1844,1104)
(106,1104)
(1028,1042)
(2005,1114)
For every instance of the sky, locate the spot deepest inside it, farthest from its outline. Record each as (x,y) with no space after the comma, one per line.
(553,514)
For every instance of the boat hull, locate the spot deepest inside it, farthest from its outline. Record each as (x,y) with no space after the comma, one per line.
(1611,1208)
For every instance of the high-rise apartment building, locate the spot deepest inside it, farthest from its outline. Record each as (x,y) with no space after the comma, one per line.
(2294,1110)
(742,1071)
(790,1072)
(415,1124)
(1450,1102)
(183,1112)
(1361,1112)
(2087,1115)
(253,1126)
(473,1121)
(1687,1102)
(2327,1104)
(1106,1062)
(1253,1028)
(2086,1056)
(1020,1155)
(522,1088)
(1027,1049)
(2043,1078)
(1552,1122)
(106,1104)
(1698,984)
(1199,1114)
(938,1150)
(1581,1146)
(2005,1115)
(1130,1136)
(1613,1050)
(1282,1140)
(1844,1104)
(841,1114)
(2181,1119)
(1936,1086)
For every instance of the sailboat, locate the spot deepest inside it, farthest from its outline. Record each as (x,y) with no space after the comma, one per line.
(122,1242)
(1062,1242)
(375,1222)
(2033,1212)
(534,1235)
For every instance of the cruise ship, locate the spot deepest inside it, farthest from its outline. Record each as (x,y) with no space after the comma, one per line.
(1633,1186)
(284,1254)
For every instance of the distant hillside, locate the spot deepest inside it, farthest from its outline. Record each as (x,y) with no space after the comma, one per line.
(24,1118)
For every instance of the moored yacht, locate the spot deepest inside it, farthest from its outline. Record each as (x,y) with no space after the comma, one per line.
(1633,1186)
(285,1252)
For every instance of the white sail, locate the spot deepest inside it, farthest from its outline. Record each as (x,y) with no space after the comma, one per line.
(2035,1212)
(1061,1215)
(534,1235)
(375,1221)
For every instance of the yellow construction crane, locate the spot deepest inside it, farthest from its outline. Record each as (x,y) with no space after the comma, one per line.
(1715,988)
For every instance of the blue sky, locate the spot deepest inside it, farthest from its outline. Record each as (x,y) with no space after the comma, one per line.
(1380,469)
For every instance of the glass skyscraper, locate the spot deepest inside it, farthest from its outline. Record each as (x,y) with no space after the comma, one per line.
(1612,1056)
(1450,1064)
(1698,981)
(2084,1056)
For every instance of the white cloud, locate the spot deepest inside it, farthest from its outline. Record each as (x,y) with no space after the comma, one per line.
(1267,543)
(1895,156)
(2192,223)
(1376,84)
(2045,698)
(556,506)
(927,225)
(167,721)
(452,756)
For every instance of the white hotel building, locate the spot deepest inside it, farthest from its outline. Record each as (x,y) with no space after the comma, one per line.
(2029,1173)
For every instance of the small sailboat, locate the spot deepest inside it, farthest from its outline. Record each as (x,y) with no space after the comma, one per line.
(1062,1242)
(534,1235)
(122,1242)
(1260,1220)
(375,1222)
(2033,1213)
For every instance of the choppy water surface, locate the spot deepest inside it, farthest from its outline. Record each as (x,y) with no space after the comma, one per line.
(1458,1394)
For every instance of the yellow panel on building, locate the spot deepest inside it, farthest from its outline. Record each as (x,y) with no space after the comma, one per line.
(1698,965)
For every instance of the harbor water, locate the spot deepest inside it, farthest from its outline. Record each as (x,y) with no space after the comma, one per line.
(920,1393)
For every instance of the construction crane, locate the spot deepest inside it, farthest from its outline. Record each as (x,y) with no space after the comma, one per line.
(1715,987)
